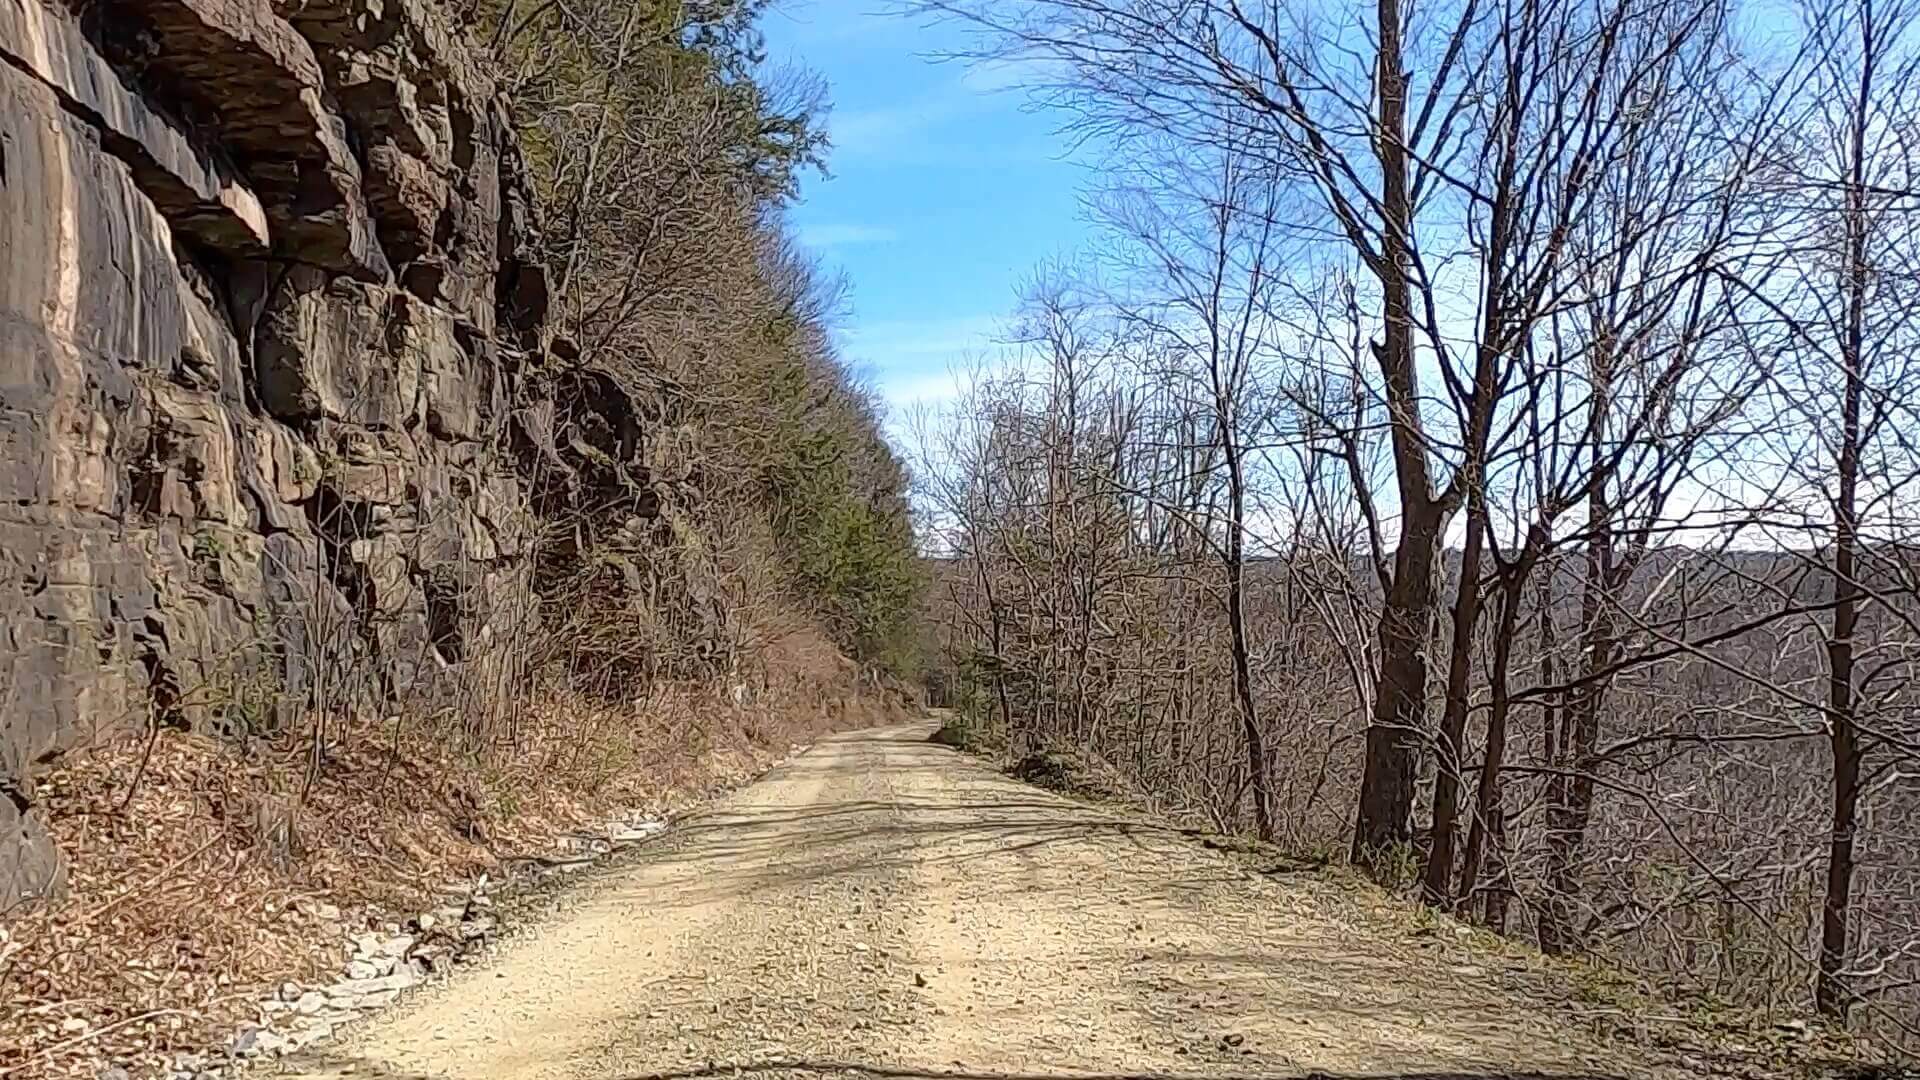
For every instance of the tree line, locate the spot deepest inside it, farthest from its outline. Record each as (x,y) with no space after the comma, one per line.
(758,490)
(1480,444)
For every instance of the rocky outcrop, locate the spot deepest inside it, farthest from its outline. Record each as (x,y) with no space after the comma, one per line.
(269,302)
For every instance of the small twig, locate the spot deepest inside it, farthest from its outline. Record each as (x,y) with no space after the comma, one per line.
(59,1048)
(146,755)
(55,1006)
(135,891)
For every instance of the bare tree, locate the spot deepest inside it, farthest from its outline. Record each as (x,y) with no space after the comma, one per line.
(1852,295)
(1625,305)
(1198,258)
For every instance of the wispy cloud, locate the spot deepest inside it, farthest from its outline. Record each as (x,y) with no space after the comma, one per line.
(958,123)
(905,347)
(887,128)
(1000,75)
(826,237)
(924,363)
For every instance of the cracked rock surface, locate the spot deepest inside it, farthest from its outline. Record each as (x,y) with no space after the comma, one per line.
(275,398)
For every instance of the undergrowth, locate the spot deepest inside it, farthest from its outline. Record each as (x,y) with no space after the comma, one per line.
(1697,1033)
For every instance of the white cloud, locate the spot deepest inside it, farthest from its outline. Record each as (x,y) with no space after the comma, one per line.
(834,22)
(887,128)
(923,362)
(906,345)
(825,237)
(934,388)
(979,90)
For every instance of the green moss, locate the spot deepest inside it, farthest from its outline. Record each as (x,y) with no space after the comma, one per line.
(209,554)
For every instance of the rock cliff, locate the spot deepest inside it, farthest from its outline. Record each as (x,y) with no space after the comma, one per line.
(269,313)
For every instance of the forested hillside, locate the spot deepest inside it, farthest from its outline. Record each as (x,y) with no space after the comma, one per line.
(1481,445)
(665,152)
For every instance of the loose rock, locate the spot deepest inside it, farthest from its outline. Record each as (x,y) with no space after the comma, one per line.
(367,969)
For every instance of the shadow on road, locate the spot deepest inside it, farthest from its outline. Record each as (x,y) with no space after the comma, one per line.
(920,821)
(885,1072)
(1048,908)
(810,1067)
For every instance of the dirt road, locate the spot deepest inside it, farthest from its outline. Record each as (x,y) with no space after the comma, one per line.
(888,907)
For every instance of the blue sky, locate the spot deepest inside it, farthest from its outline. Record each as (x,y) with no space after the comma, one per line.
(946,190)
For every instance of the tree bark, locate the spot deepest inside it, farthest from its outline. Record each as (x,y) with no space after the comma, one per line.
(1257,773)
(1398,726)
(1487,809)
(1843,723)
(1570,793)
(1438,885)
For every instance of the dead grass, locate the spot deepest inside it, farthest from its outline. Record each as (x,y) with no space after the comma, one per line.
(223,872)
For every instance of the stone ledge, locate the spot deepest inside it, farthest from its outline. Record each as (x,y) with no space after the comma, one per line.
(255,86)
(200,195)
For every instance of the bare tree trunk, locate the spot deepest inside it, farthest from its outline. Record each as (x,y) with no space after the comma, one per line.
(1398,727)
(1438,886)
(1844,740)
(1570,792)
(1843,730)
(995,622)
(1257,773)
(1500,890)
(1487,809)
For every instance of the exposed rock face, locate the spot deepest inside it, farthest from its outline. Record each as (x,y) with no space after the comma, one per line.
(266,294)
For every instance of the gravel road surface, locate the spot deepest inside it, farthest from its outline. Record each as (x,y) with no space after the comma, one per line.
(882,906)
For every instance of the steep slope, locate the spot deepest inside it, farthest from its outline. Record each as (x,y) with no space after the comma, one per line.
(272,368)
